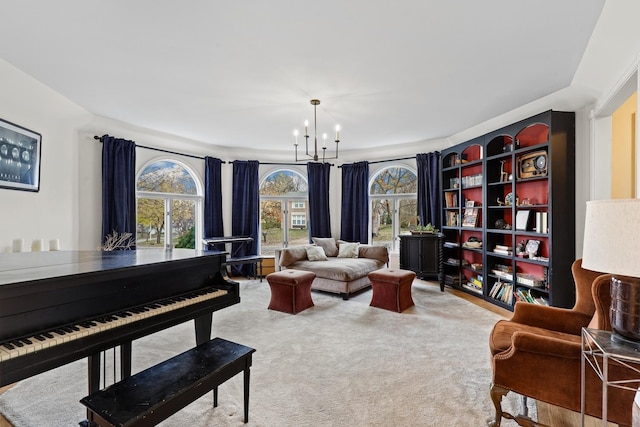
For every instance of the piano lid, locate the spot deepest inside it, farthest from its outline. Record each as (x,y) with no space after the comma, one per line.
(33,266)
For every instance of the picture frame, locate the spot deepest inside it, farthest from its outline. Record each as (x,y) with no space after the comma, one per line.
(20,151)
(470,218)
(522,219)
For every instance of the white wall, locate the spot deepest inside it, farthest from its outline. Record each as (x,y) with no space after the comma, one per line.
(53,211)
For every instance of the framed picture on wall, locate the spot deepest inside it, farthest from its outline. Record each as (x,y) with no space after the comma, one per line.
(19,157)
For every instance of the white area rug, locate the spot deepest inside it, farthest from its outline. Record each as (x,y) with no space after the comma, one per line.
(340,363)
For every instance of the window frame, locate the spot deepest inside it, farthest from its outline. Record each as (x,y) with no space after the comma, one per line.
(396,198)
(168,198)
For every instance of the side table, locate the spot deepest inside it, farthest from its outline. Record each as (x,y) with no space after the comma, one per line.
(598,350)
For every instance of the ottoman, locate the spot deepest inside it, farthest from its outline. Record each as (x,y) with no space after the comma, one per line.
(290,290)
(392,289)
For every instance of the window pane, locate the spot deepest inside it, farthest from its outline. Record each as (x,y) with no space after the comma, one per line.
(382,221)
(284,183)
(394,180)
(150,222)
(183,224)
(271,226)
(408,211)
(166,177)
(298,236)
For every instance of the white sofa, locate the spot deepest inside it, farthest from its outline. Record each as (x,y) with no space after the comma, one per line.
(337,274)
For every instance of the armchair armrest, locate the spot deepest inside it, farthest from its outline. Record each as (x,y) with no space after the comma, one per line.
(545,345)
(552,318)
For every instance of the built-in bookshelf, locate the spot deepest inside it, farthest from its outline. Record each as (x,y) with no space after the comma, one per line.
(503,242)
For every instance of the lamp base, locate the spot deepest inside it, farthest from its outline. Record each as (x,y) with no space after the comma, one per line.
(619,339)
(625,308)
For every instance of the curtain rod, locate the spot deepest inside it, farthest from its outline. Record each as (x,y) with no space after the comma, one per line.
(390,160)
(99,138)
(283,164)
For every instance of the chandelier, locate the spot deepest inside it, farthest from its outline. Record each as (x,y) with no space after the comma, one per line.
(314,155)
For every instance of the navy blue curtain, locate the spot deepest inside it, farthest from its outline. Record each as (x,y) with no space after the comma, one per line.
(118,186)
(354,223)
(319,215)
(213,225)
(245,209)
(429,188)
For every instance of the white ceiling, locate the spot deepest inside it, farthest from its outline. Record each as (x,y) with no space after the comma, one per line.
(241,73)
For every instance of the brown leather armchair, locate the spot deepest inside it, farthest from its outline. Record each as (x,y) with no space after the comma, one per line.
(537,353)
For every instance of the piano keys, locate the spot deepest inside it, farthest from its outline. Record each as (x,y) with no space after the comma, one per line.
(57,307)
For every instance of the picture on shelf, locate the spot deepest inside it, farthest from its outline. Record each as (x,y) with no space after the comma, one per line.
(522,219)
(470,218)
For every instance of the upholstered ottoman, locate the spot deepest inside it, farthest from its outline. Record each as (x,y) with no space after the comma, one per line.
(290,290)
(392,289)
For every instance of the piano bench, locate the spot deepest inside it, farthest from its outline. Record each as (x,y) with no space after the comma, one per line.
(256,260)
(160,391)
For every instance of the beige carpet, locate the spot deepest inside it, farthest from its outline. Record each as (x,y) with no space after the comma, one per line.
(340,363)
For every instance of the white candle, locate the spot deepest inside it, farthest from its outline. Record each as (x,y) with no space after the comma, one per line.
(18,245)
(337,132)
(295,136)
(324,140)
(306,127)
(54,244)
(36,245)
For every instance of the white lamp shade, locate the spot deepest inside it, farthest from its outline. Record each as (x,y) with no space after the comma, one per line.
(612,237)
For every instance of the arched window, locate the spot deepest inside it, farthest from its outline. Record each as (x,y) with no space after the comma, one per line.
(284,210)
(393,195)
(168,206)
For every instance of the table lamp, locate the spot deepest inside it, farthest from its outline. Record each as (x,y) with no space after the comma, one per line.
(612,245)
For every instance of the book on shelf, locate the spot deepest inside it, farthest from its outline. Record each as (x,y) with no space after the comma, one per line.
(451,200)
(503,251)
(541,301)
(505,268)
(525,295)
(504,247)
(503,274)
(452,219)
(530,280)
(542,219)
(471,287)
(476,282)
(504,292)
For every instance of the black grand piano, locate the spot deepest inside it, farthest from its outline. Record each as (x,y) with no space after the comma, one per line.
(58,307)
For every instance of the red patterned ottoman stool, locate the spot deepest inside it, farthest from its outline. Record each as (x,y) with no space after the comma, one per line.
(392,289)
(290,290)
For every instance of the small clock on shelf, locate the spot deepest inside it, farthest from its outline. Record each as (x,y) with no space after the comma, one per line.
(532,248)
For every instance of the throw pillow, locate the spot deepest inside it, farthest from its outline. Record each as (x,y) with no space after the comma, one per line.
(316,253)
(348,250)
(328,244)
(290,255)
